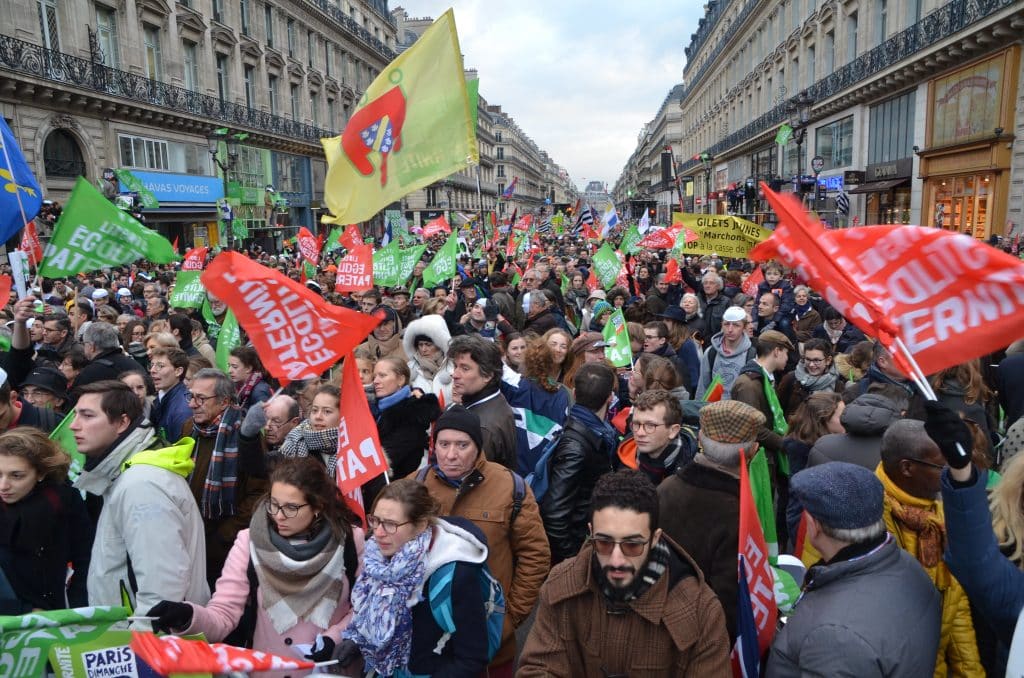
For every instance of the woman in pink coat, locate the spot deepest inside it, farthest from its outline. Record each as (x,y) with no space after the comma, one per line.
(302,552)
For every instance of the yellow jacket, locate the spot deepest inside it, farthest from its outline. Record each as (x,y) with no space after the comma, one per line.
(958,649)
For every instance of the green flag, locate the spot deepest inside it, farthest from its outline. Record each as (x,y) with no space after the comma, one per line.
(629,240)
(385,265)
(28,638)
(239,229)
(135,185)
(66,439)
(606,265)
(618,351)
(92,234)
(212,326)
(784,134)
(407,259)
(565,284)
(473,90)
(442,268)
(188,290)
(228,339)
(332,244)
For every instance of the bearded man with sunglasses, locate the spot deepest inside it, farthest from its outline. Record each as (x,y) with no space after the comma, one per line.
(631,603)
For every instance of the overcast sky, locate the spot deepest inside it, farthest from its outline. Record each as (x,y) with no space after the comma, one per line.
(580,78)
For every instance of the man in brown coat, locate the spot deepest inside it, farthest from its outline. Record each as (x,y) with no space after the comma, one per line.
(465,484)
(631,603)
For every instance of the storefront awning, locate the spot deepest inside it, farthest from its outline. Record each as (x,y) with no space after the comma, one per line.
(182,212)
(879,186)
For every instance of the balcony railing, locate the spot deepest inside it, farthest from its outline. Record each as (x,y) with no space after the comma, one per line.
(353,27)
(25,57)
(937,26)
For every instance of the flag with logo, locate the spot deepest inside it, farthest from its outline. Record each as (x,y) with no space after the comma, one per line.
(385,265)
(92,234)
(442,267)
(414,126)
(539,416)
(784,134)
(606,264)
(172,654)
(619,352)
(355,271)
(360,457)
(351,237)
(752,282)
(30,243)
(510,189)
(661,238)
(436,227)
(407,260)
(134,185)
(757,613)
(21,197)
(64,437)
(296,333)
(27,638)
(333,241)
(188,289)
(673,276)
(630,240)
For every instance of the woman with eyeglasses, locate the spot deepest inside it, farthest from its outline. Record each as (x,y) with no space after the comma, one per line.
(286,584)
(393,627)
(815,372)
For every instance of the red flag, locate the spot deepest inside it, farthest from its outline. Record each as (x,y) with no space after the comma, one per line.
(436,227)
(30,243)
(592,282)
(175,243)
(945,296)
(171,654)
(360,456)
(512,246)
(757,615)
(672,273)
(355,271)
(523,224)
(6,282)
(296,333)
(351,237)
(661,238)
(309,246)
(590,233)
(751,283)
(354,499)
(494,220)
(195,259)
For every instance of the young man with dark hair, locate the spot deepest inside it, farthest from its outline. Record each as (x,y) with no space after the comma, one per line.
(167,368)
(582,455)
(629,582)
(476,376)
(656,446)
(149,538)
(656,342)
(755,386)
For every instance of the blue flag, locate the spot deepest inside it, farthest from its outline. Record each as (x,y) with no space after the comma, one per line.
(539,417)
(17,184)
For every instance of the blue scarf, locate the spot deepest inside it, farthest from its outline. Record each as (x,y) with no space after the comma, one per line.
(396,397)
(601,428)
(383,598)
(800,311)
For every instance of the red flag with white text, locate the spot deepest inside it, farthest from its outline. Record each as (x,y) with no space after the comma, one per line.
(355,271)
(750,284)
(296,333)
(351,237)
(195,259)
(660,238)
(309,246)
(360,456)
(168,655)
(436,227)
(30,243)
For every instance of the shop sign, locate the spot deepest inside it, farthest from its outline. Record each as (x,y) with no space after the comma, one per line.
(167,187)
(966,104)
(853,177)
(833,183)
(890,170)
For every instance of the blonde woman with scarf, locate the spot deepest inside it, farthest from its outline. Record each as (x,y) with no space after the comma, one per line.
(286,584)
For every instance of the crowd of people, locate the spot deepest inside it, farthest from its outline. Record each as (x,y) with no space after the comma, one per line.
(208,493)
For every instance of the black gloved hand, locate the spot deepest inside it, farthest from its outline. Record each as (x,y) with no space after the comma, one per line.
(347,652)
(491,310)
(945,427)
(322,649)
(170,616)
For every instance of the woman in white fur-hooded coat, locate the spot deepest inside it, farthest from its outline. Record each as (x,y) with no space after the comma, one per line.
(428,362)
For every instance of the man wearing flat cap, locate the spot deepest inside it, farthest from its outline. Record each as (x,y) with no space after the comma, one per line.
(868,609)
(700,504)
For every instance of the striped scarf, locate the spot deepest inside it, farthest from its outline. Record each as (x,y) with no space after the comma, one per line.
(222,476)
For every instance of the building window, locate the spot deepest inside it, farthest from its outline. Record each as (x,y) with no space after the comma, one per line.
(343,65)
(143,153)
(61,155)
(222,76)
(500,153)
(314,106)
(48,26)
(106,35)
(328,59)
(811,65)
(272,93)
(191,60)
(881,20)
(851,37)
(892,129)
(291,37)
(151,37)
(829,55)
(432,195)
(295,102)
(268,24)
(311,48)
(501,188)
(497,136)
(249,73)
(218,10)
(834,143)
(243,8)
(913,10)
(249,170)
(501,170)
(331,112)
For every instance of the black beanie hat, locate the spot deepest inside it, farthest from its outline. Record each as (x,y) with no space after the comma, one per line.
(458,418)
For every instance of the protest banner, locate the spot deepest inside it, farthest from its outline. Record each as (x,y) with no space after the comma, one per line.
(442,267)
(407,260)
(607,265)
(385,265)
(188,289)
(92,234)
(296,333)
(721,234)
(618,351)
(360,456)
(355,271)
(25,640)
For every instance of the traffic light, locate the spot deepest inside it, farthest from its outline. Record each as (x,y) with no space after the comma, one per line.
(651,212)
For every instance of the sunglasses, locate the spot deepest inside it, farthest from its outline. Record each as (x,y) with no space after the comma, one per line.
(631,548)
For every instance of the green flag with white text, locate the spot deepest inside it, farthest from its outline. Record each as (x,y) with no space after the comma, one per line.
(618,351)
(407,259)
(630,239)
(385,265)
(606,266)
(92,234)
(134,185)
(229,338)
(442,267)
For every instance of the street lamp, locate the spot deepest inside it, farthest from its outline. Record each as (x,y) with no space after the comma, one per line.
(799,116)
(213,141)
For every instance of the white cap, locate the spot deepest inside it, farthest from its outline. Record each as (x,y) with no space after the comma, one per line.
(734,314)
(3,376)
(124,292)
(100,294)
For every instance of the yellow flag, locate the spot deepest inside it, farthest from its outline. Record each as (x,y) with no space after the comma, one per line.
(413,126)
